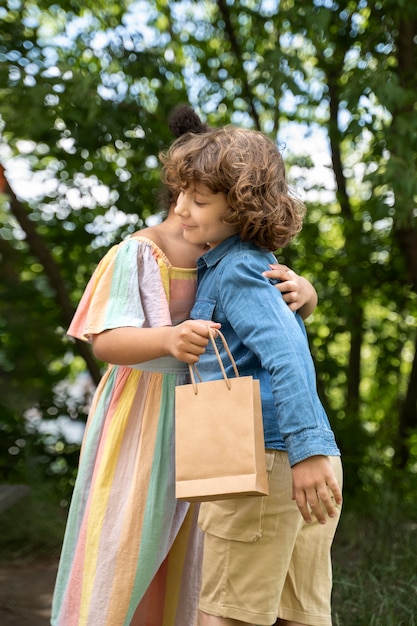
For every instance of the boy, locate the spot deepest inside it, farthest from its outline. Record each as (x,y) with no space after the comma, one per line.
(262,560)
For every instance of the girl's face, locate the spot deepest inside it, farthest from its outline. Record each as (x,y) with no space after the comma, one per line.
(201,213)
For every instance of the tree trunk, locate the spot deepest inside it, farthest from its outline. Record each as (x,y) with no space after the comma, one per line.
(40,251)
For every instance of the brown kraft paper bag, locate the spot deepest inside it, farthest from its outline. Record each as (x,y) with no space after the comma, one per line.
(219,439)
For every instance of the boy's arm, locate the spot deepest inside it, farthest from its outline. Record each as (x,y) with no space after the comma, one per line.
(297,291)
(302,421)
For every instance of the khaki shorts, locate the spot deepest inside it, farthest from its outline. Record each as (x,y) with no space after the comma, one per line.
(262,561)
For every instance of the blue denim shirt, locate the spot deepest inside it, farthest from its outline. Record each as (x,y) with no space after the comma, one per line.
(268,341)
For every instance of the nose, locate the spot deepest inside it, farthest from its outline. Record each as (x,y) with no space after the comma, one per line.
(181,205)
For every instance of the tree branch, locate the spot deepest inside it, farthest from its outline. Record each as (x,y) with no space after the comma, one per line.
(238,52)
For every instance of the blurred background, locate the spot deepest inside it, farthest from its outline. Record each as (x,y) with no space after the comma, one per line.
(85,93)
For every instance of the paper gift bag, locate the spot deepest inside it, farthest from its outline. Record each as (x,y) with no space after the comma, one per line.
(219,439)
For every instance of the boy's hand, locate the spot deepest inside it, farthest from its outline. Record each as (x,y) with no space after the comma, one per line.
(189,339)
(296,290)
(315,488)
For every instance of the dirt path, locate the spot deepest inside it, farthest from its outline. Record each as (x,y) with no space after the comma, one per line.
(26,591)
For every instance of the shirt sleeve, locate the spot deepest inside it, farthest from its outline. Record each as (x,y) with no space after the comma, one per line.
(126,289)
(267,327)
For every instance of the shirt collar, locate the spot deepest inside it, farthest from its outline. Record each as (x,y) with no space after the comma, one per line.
(214,255)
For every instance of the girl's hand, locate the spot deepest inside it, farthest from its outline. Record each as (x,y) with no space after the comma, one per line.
(296,290)
(189,339)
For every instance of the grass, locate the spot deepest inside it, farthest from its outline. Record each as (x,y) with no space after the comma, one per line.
(374,555)
(32,528)
(375,566)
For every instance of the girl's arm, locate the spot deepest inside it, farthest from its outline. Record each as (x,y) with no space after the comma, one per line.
(297,291)
(129,345)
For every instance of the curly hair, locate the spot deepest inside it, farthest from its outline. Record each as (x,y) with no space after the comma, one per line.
(248,168)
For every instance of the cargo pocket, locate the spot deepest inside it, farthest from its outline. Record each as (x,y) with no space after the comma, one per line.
(237,519)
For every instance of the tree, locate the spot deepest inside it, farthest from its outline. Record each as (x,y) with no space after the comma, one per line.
(86,96)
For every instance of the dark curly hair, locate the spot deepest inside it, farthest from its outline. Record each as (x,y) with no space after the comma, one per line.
(248,168)
(182,120)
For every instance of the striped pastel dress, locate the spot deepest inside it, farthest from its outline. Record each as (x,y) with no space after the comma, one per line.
(132,552)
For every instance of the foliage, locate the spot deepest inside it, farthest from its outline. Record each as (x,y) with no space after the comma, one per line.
(373,584)
(33,527)
(85,92)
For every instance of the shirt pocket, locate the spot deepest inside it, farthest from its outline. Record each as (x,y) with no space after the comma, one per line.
(237,519)
(203,309)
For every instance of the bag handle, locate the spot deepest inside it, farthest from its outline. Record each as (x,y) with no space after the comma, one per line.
(193,367)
